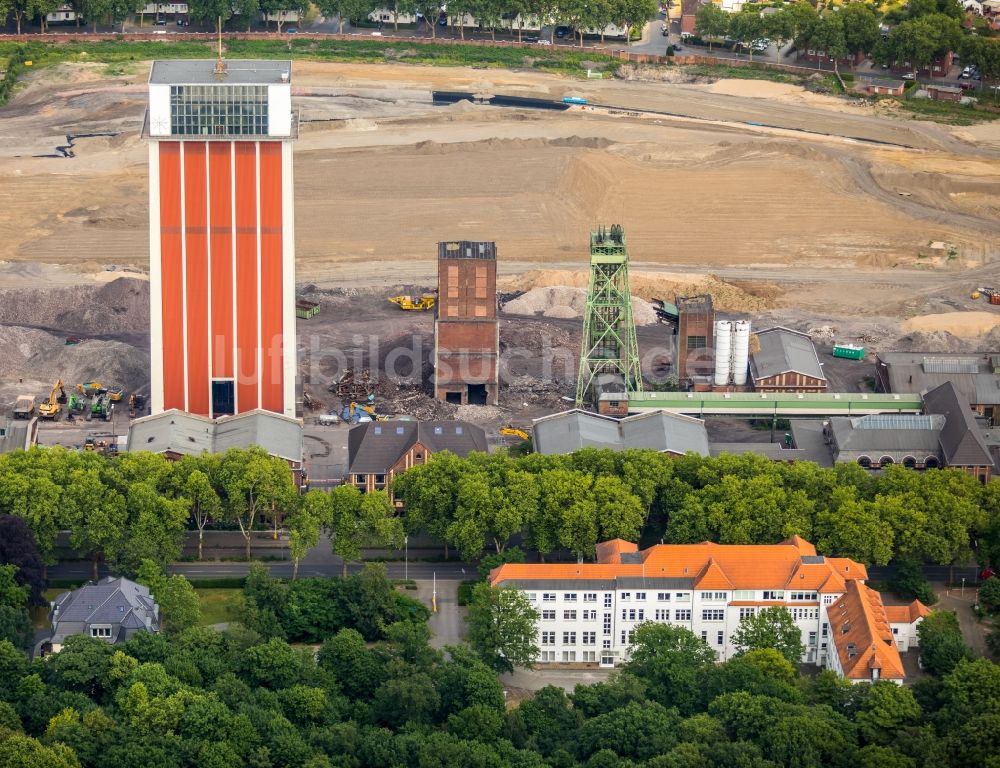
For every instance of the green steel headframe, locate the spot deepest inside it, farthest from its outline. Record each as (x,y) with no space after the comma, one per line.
(609,343)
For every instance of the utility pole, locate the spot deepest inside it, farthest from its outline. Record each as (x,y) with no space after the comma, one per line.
(434,592)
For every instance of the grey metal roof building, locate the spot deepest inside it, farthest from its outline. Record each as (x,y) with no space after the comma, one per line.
(783,350)
(961,441)
(179,433)
(376,447)
(112,610)
(976,377)
(202,72)
(17,434)
(657,430)
(878,440)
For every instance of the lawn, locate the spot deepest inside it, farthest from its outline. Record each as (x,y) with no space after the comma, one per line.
(947,112)
(217,604)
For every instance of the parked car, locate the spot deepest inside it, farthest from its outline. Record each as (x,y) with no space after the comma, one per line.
(292,31)
(543,41)
(909,76)
(664,29)
(160,23)
(562,31)
(443,20)
(967,72)
(183,23)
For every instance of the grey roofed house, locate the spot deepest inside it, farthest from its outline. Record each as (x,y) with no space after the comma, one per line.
(375,447)
(961,440)
(783,350)
(976,377)
(657,430)
(178,433)
(17,434)
(894,435)
(112,610)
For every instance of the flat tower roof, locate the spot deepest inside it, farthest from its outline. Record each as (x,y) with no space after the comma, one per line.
(467,249)
(202,72)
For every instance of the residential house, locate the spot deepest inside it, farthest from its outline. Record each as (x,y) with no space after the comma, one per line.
(961,440)
(64,14)
(823,59)
(865,650)
(178,433)
(879,86)
(379,450)
(113,609)
(661,431)
(944,93)
(783,360)
(940,66)
(689,12)
(976,377)
(588,612)
(903,621)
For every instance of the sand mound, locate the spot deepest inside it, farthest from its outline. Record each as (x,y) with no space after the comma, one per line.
(562,301)
(17,344)
(933,341)
(958,323)
(754,89)
(727,297)
(121,305)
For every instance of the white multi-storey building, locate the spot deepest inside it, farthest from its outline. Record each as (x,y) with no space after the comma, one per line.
(588,612)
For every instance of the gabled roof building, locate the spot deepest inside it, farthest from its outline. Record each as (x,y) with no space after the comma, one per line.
(111,610)
(588,612)
(783,360)
(657,430)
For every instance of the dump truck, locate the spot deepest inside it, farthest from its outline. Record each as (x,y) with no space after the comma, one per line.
(24,407)
(411,304)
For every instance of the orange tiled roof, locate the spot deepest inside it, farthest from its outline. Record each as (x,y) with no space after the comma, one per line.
(801,544)
(610,551)
(906,614)
(862,636)
(721,566)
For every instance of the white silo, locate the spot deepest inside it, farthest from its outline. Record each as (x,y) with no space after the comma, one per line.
(723,351)
(741,351)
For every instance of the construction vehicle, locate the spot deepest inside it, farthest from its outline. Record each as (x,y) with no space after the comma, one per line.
(50,408)
(103,443)
(421,304)
(24,407)
(512,432)
(90,388)
(101,407)
(355,413)
(136,403)
(76,403)
(116,392)
(975,295)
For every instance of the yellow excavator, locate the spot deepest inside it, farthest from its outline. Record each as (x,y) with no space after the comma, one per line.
(50,408)
(90,388)
(512,432)
(411,304)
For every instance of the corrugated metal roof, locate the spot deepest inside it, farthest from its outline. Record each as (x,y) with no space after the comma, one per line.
(572,430)
(373,448)
(920,372)
(189,434)
(782,351)
(855,434)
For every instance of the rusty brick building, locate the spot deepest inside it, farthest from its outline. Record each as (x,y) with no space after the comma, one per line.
(466,331)
(695,340)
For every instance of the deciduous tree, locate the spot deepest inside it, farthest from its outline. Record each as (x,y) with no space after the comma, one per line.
(502,627)
(711,23)
(772,627)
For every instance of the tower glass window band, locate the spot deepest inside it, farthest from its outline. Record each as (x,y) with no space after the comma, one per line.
(229,110)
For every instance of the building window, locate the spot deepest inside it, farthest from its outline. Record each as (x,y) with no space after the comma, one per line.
(662,614)
(683,596)
(590,615)
(590,597)
(104,632)
(804,596)
(828,599)
(590,638)
(683,614)
(826,629)
(720,637)
(696,342)
(640,595)
(812,639)
(532,596)
(743,594)
(663,597)
(218,110)
(605,643)
(626,596)
(548,615)
(774,594)
(569,638)
(569,615)
(895,630)
(359,479)
(641,614)
(548,597)
(590,656)
(607,599)
(713,615)
(704,636)
(548,638)
(746,613)
(569,597)
(607,624)
(713,596)
(569,656)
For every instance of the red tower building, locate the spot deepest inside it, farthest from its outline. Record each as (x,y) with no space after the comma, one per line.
(222,251)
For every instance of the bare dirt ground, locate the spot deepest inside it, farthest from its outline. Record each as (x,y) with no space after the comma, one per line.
(791,207)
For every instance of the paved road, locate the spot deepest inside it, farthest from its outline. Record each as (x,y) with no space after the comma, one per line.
(448,624)
(567,679)
(973,632)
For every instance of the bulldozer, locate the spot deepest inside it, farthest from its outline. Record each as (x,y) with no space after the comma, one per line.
(50,408)
(411,304)
(512,432)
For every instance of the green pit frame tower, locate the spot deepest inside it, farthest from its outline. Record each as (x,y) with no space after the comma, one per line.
(609,343)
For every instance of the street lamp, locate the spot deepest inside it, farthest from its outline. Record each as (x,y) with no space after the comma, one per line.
(406,558)
(963,586)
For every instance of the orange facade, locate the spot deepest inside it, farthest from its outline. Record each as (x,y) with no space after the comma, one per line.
(221,264)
